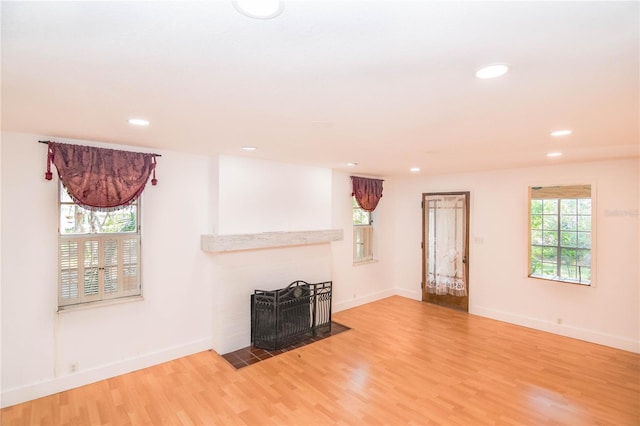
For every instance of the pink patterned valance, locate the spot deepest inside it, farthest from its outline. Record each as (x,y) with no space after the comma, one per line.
(367,192)
(100,178)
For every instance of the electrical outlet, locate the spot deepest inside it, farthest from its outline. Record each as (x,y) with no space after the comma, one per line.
(73,367)
(559,320)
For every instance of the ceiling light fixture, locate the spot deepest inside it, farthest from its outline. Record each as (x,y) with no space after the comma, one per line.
(249,148)
(558,133)
(414,169)
(492,71)
(259,9)
(554,154)
(138,122)
(352,164)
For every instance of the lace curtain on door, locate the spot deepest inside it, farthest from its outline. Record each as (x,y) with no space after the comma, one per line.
(446,267)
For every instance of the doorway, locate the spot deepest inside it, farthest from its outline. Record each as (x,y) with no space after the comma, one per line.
(445,249)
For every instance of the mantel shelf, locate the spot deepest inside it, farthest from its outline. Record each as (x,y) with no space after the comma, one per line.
(265,240)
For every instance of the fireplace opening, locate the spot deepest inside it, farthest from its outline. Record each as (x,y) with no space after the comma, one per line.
(283,317)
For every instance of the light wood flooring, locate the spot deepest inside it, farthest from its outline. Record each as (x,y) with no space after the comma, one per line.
(403,363)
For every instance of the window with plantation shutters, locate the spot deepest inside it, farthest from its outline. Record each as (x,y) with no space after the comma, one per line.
(362,234)
(99,253)
(366,194)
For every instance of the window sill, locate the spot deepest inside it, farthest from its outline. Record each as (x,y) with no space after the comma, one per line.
(99,303)
(365,262)
(560,280)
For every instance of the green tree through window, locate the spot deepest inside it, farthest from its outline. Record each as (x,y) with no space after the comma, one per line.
(560,223)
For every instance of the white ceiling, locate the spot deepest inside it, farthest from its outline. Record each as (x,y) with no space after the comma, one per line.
(387,84)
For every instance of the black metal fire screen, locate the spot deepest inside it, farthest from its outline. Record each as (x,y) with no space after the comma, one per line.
(280,318)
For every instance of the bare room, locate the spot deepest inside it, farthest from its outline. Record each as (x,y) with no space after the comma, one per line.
(448,190)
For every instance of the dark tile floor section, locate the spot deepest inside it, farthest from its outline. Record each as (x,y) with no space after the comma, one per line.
(252,355)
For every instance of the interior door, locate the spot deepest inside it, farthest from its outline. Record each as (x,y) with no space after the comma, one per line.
(445,249)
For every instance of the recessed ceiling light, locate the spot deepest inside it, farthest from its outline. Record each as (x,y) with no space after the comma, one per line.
(414,169)
(492,71)
(558,133)
(554,154)
(138,122)
(249,148)
(352,164)
(259,9)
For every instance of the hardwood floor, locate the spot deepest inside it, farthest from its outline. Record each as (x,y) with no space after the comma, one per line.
(403,363)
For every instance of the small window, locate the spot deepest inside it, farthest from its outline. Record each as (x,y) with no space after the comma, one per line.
(99,252)
(362,234)
(560,233)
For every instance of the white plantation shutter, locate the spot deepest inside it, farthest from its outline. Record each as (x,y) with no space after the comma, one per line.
(363,243)
(110,246)
(69,273)
(130,265)
(91,286)
(106,267)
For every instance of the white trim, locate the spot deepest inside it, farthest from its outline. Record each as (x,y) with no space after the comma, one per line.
(99,303)
(409,294)
(592,336)
(232,342)
(348,304)
(365,262)
(59,384)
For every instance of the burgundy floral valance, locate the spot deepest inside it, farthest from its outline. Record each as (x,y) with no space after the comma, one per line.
(100,178)
(367,192)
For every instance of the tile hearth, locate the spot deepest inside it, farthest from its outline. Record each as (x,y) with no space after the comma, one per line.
(252,355)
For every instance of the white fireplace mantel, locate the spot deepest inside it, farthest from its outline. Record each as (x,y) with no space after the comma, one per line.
(263,240)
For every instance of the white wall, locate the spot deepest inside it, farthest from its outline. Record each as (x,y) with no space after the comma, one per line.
(292,198)
(265,196)
(238,274)
(174,319)
(606,313)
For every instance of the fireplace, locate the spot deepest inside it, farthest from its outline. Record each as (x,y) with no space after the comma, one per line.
(283,317)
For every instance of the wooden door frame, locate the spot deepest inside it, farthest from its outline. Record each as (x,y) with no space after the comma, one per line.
(467,206)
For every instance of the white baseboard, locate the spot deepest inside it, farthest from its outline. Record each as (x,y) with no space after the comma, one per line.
(409,294)
(587,335)
(233,342)
(348,304)
(59,384)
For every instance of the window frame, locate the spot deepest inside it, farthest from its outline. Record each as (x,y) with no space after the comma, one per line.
(363,236)
(122,268)
(527,228)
